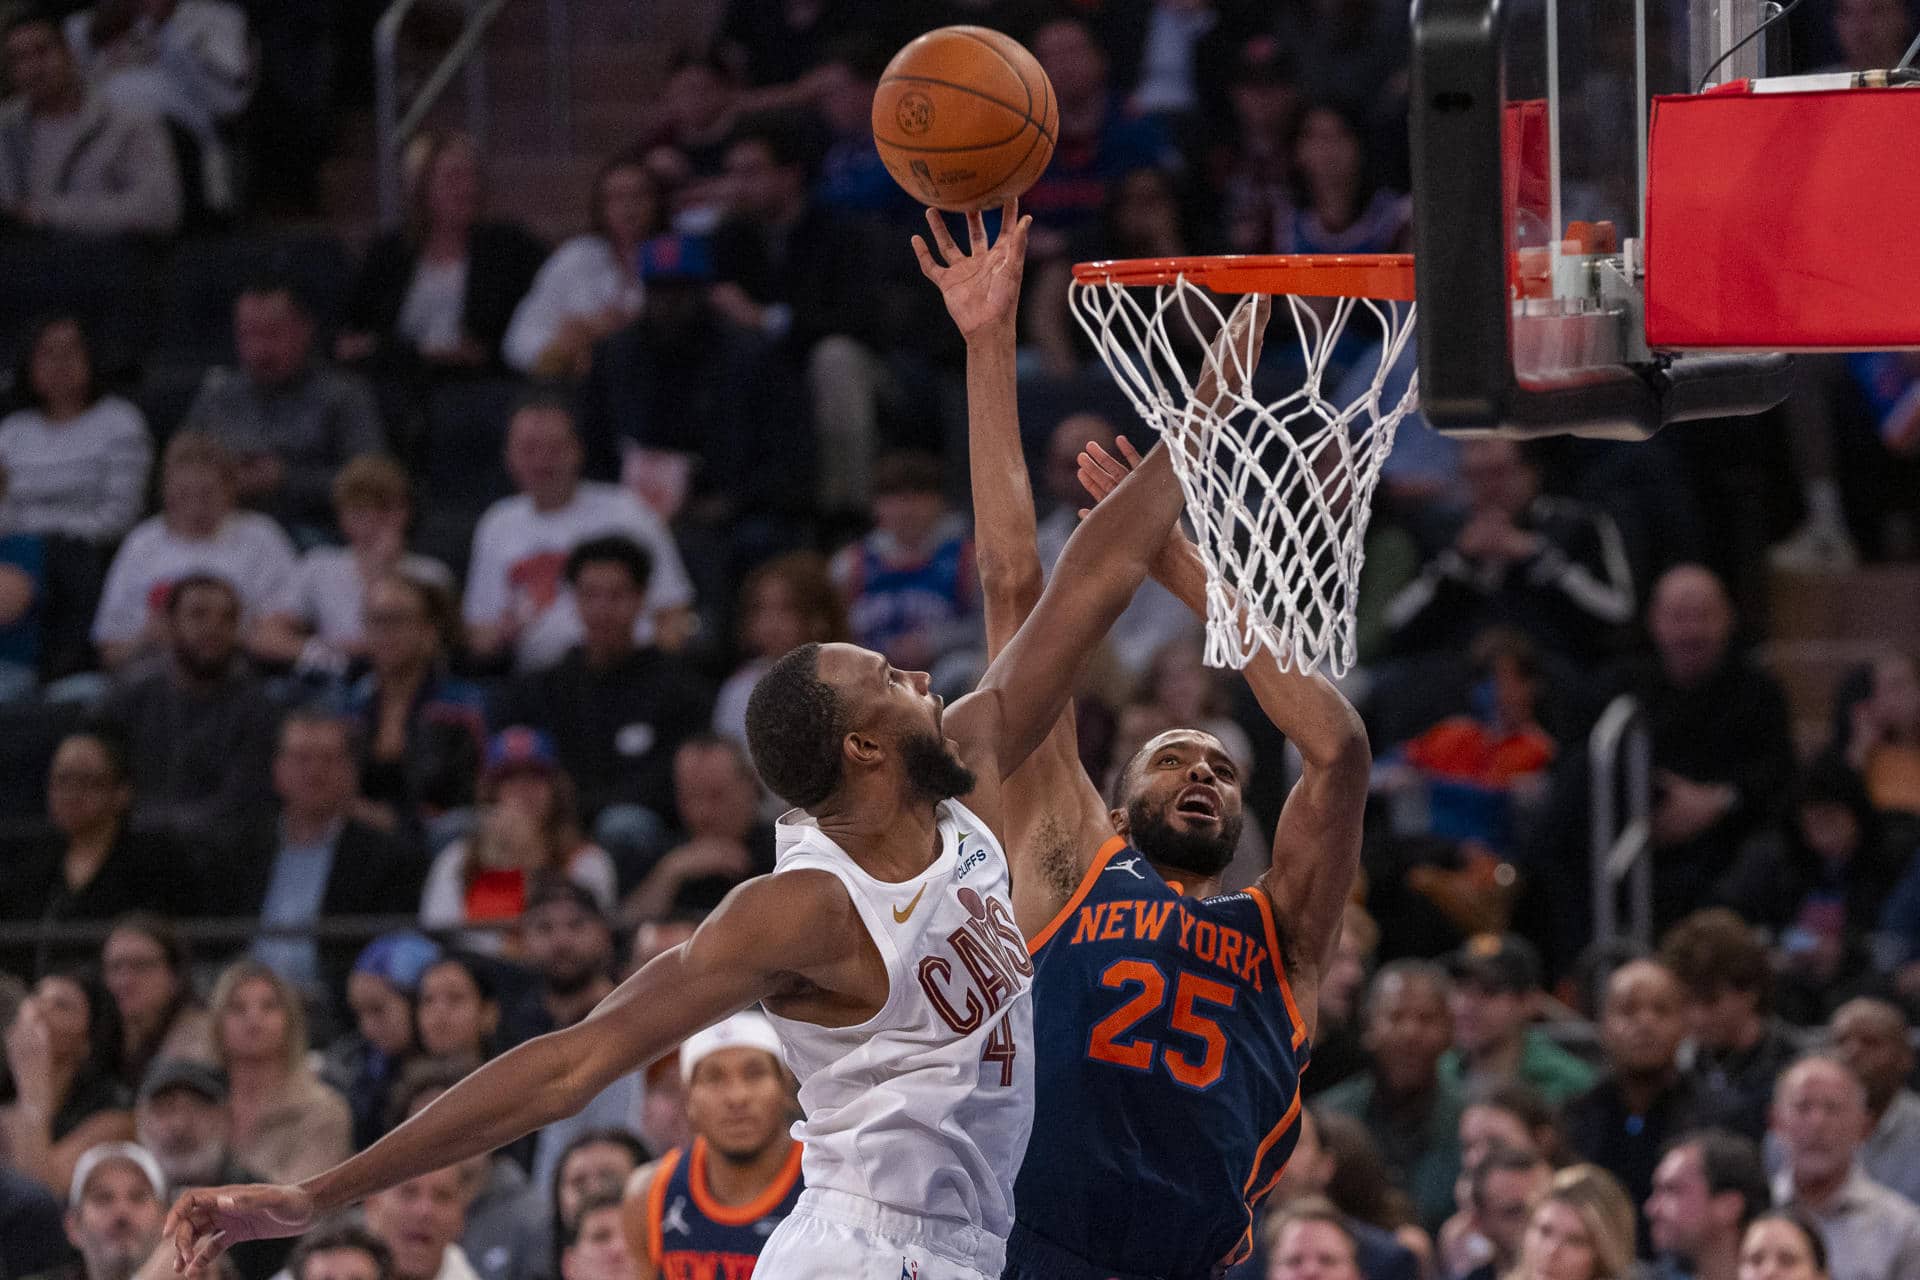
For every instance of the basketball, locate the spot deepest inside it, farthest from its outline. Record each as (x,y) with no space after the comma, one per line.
(964,118)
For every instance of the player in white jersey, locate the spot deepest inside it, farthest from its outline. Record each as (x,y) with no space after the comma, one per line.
(884,942)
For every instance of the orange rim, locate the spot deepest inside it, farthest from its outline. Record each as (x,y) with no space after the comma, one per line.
(1387,276)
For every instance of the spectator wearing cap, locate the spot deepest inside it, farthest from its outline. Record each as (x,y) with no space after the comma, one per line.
(529,825)
(324,861)
(182,1118)
(383,994)
(116,1209)
(33,1239)
(1496,983)
(286,1123)
(290,421)
(1874,1039)
(617,710)
(344,1251)
(1708,1187)
(722,839)
(1309,1171)
(1738,1049)
(1820,1118)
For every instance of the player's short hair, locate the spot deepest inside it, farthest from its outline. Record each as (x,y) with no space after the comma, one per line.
(612,548)
(343,1235)
(795,721)
(1729,1162)
(1713,950)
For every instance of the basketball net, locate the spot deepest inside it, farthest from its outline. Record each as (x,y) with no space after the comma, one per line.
(1278,491)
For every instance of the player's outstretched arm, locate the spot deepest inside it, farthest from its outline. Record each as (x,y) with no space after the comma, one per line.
(1316,843)
(763,938)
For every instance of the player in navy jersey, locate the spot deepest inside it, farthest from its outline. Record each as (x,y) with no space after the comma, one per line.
(1171,1023)
(702,1212)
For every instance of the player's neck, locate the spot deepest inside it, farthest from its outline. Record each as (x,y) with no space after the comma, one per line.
(736,1182)
(1189,884)
(889,838)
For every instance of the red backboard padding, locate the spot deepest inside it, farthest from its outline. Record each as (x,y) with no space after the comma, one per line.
(1782,222)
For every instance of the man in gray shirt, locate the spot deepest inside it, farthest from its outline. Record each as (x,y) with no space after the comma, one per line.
(1820,1117)
(291,421)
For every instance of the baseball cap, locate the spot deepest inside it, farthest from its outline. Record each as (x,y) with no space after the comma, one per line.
(521,748)
(398,959)
(132,1152)
(209,1081)
(1499,961)
(744,1030)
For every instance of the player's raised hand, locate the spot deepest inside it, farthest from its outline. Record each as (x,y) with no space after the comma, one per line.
(1101,473)
(981,285)
(1235,353)
(204,1224)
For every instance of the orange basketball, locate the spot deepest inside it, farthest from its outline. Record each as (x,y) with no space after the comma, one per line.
(965,118)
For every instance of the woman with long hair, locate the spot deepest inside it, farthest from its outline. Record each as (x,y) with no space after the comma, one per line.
(144,963)
(287,1125)
(1340,204)
(458,1009)
(1581,1229)
(63,1099)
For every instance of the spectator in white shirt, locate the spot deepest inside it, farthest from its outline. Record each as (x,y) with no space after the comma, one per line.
(198,531)
(590,287)
(517,595)
(73,462)
(316,623)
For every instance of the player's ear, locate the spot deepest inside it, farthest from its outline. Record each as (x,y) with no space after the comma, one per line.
(862,749)
(1118,817)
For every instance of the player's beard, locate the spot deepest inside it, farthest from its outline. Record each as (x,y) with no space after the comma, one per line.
(933,772)
(1166,846)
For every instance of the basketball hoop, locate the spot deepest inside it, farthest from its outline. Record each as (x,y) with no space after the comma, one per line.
(1278,490)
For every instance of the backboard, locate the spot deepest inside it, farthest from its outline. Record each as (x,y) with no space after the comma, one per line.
(1529,132)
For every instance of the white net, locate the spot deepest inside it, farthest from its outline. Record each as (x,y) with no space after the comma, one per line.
(1278,490)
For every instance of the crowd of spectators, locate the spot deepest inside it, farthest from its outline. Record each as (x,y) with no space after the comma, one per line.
(431,587)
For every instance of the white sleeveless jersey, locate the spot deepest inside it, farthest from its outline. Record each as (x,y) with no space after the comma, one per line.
(926,1106)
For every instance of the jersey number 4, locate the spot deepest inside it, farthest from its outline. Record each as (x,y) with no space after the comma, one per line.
(1113,1042)
(1001,1048)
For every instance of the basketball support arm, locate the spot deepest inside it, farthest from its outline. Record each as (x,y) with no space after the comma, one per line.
(1468,381)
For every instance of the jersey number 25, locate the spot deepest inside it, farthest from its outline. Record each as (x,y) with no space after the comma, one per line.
(1112,1040)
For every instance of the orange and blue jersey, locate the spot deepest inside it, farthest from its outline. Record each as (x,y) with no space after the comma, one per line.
(1168,1053)
(692,1236)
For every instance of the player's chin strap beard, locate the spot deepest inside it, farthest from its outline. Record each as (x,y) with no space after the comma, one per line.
(1191,851)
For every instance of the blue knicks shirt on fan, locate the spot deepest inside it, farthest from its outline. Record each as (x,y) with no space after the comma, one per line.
(1168,1054)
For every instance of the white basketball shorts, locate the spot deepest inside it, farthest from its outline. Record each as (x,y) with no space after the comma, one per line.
(831,1235)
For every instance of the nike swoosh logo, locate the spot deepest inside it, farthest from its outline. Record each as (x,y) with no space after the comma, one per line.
(901,917)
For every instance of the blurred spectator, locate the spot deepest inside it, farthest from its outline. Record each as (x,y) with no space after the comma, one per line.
(199,730)
(1708,1186)
(290,421)
(1722,752)
(596,1248)
(786,602)
(458,1011)
(723,841)
(316,860)
(317,624)
(1337,1053)
(1505,1183)
(852,178)
(529,825)
(73,461)
(1413,1110)
(1309,1169)
(1643,1100)
(1311,1240)
(188,62)
(424,730)
(1783,1244)
(1502,745)
(776,42)
(1351,51)
(73,161)
(1361,1187)
(663,1107)
(381,993)
(182,1119)
(60,1048)
(33,1238)
(1818,880)
(517,595)
(1820,1117)
(91,865)
(1873,34)
(590,288)
(116,1209)
(1496,985)
(802,277)
(1552,568)
(1581,1229)
(198,532)
(569,943)
(617,711)
(419,1221)
(1340,202)
(287,1125)
(1099,139)
(443,289)
(343,1251)
(1254,172)
(144,965)
(595,1165)
(909,586)
(698,106)
(1873,1038)
(1738,1049)
(1510,1113)
(1883,731)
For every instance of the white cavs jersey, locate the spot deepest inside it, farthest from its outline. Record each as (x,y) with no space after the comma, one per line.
(924,1108)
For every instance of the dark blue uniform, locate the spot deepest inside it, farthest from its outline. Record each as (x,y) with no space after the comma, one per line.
(693,1236)
(1167,1069)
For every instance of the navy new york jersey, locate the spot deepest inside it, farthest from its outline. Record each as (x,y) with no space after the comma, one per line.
(695,1237)
(1167,1060)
